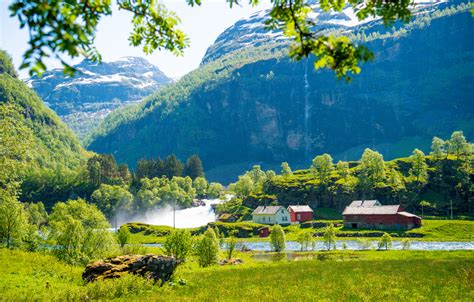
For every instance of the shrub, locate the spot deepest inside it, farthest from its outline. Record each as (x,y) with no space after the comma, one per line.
(178,244)
(406,244)
(385,242)
(123,236)
(207,248)
(277,238)
(329,237)
(304,239)
(231,243)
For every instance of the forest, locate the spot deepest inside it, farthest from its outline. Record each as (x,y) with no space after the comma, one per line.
(440,182)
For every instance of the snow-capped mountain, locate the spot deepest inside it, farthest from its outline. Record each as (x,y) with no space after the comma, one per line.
(252,31)
(96,89)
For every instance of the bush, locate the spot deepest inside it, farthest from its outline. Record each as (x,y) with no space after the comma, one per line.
(406,244)
(304,239)
(123,236)
(329,237)
(207,248)
(277,238)
(178,244)
(385,242)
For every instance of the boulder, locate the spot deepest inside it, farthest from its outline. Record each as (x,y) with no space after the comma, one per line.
(231,261)
(148,266)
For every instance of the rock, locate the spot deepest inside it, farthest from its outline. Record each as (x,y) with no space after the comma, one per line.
(149,266)
(231,261)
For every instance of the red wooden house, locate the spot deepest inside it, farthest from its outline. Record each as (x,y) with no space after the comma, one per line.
(370,214)
(300,213)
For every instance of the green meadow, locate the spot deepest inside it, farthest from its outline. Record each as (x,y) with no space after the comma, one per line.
(341,276)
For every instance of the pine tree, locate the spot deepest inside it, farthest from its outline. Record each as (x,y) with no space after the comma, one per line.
(172,166)
(194,167)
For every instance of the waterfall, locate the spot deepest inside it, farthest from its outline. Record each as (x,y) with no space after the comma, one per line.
(306,113)
(185,218)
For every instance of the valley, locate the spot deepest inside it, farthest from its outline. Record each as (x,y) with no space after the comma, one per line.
(319,151)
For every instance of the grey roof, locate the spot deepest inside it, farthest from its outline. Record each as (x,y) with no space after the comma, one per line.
(408,214)
(262,210)
(375,210)
(365,203)
(300,208)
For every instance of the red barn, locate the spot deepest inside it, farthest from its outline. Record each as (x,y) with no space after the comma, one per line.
(370,214)
(300,213)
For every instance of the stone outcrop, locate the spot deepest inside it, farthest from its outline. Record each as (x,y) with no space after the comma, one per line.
(148,266)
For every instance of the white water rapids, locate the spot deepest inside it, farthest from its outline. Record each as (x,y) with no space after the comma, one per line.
(184,218)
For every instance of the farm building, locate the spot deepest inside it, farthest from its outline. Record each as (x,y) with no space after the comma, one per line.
(300,213)
(271,215)
(371,214)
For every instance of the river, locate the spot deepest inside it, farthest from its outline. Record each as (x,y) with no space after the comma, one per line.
(265,246)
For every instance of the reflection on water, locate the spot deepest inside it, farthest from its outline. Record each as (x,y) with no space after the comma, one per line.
(354,245)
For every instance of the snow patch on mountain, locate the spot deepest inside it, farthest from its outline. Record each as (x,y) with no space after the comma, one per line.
(97,89)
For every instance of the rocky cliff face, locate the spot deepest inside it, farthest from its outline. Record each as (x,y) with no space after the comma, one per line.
(96,89)
(273,109)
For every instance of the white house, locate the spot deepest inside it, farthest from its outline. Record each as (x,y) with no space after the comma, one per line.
(271,215)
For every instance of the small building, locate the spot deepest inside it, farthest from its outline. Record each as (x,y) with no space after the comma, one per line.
(226,217)
(371,214)
(271,215)
(264,232)
(300,214)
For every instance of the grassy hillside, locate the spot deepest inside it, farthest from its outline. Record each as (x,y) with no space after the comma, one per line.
(344,276)
(55,145)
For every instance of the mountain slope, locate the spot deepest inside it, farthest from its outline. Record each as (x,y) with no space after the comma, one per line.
(55,145)
(255,105)
(96,89)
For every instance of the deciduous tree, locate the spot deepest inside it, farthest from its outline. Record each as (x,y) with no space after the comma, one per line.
(277,238)
(207,248)
(178,244)
(80,231)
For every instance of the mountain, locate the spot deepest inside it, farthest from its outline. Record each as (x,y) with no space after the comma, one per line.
(54,145)
(96,89)
(252,104)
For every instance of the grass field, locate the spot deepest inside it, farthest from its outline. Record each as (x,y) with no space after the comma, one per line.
(344,276)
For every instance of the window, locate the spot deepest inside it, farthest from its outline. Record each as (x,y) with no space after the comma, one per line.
(298,216)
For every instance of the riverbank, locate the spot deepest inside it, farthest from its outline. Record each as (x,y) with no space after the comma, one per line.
(431,230)
(341,275)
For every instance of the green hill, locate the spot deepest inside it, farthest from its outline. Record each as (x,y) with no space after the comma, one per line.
(54,146)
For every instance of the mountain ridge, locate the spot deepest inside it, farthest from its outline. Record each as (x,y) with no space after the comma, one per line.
(97,89)
(238,110)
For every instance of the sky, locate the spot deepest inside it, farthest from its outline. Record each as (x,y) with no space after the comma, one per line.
(201,24)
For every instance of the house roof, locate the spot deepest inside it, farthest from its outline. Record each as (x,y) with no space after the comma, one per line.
(365,203)
(374,210)
(297,209)
(262,210)
(406,214)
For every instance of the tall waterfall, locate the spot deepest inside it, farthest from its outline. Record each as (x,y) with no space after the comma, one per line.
(306,113)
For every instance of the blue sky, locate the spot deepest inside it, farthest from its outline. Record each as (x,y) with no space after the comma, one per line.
(201,24)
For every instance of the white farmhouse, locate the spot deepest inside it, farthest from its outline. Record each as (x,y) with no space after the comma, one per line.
(271,215)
